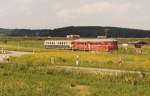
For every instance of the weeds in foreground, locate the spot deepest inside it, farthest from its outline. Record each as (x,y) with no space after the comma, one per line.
(49,81)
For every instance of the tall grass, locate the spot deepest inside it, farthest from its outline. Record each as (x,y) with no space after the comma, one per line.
(129,61)
(15,80)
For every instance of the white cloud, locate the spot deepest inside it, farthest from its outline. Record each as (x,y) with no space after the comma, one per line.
(87,9)
(106,13)
(52,13)
(95,8)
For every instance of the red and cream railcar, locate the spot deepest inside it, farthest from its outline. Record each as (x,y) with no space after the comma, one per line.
(94,44)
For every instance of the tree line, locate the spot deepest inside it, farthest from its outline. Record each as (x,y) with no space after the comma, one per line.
(83,31)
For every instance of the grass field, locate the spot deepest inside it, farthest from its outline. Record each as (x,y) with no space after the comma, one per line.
(130,60)
(100,60)
(22,43)
(36,43)
(34,75)
(19,80)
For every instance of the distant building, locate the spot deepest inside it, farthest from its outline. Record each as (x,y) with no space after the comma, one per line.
(73,36)
(139,44)
(101,37)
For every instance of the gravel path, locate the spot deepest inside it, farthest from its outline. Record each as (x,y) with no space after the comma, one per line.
(12,54)
(102,70)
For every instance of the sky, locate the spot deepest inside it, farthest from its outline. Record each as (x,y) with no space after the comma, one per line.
(45,14)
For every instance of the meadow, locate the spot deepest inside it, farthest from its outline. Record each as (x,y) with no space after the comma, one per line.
(25,80)
(22,43)
(98,60)
(120,59)
(36,43)
(35,75)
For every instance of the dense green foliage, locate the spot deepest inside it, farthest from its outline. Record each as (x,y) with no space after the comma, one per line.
(84,31)
(94,31)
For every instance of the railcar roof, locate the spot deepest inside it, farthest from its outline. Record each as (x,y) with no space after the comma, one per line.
(59,38)
(81,39)
(93,40)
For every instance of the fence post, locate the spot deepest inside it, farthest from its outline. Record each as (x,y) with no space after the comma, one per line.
(52,59)
(2,50)
(77,60)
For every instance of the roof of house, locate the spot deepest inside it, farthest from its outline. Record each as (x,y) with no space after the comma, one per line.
(139,42)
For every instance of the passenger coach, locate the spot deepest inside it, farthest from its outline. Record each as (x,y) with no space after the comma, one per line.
(83,44)
(58,43)
(95,44)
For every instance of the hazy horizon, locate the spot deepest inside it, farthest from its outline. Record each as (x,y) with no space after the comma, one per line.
(73,26)
(50,14)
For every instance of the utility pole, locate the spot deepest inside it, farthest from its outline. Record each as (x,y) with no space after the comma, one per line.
(106,32)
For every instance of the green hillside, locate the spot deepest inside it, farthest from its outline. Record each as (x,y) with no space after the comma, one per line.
(84,31)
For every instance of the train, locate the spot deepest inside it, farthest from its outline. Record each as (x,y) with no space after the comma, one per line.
(82,44)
